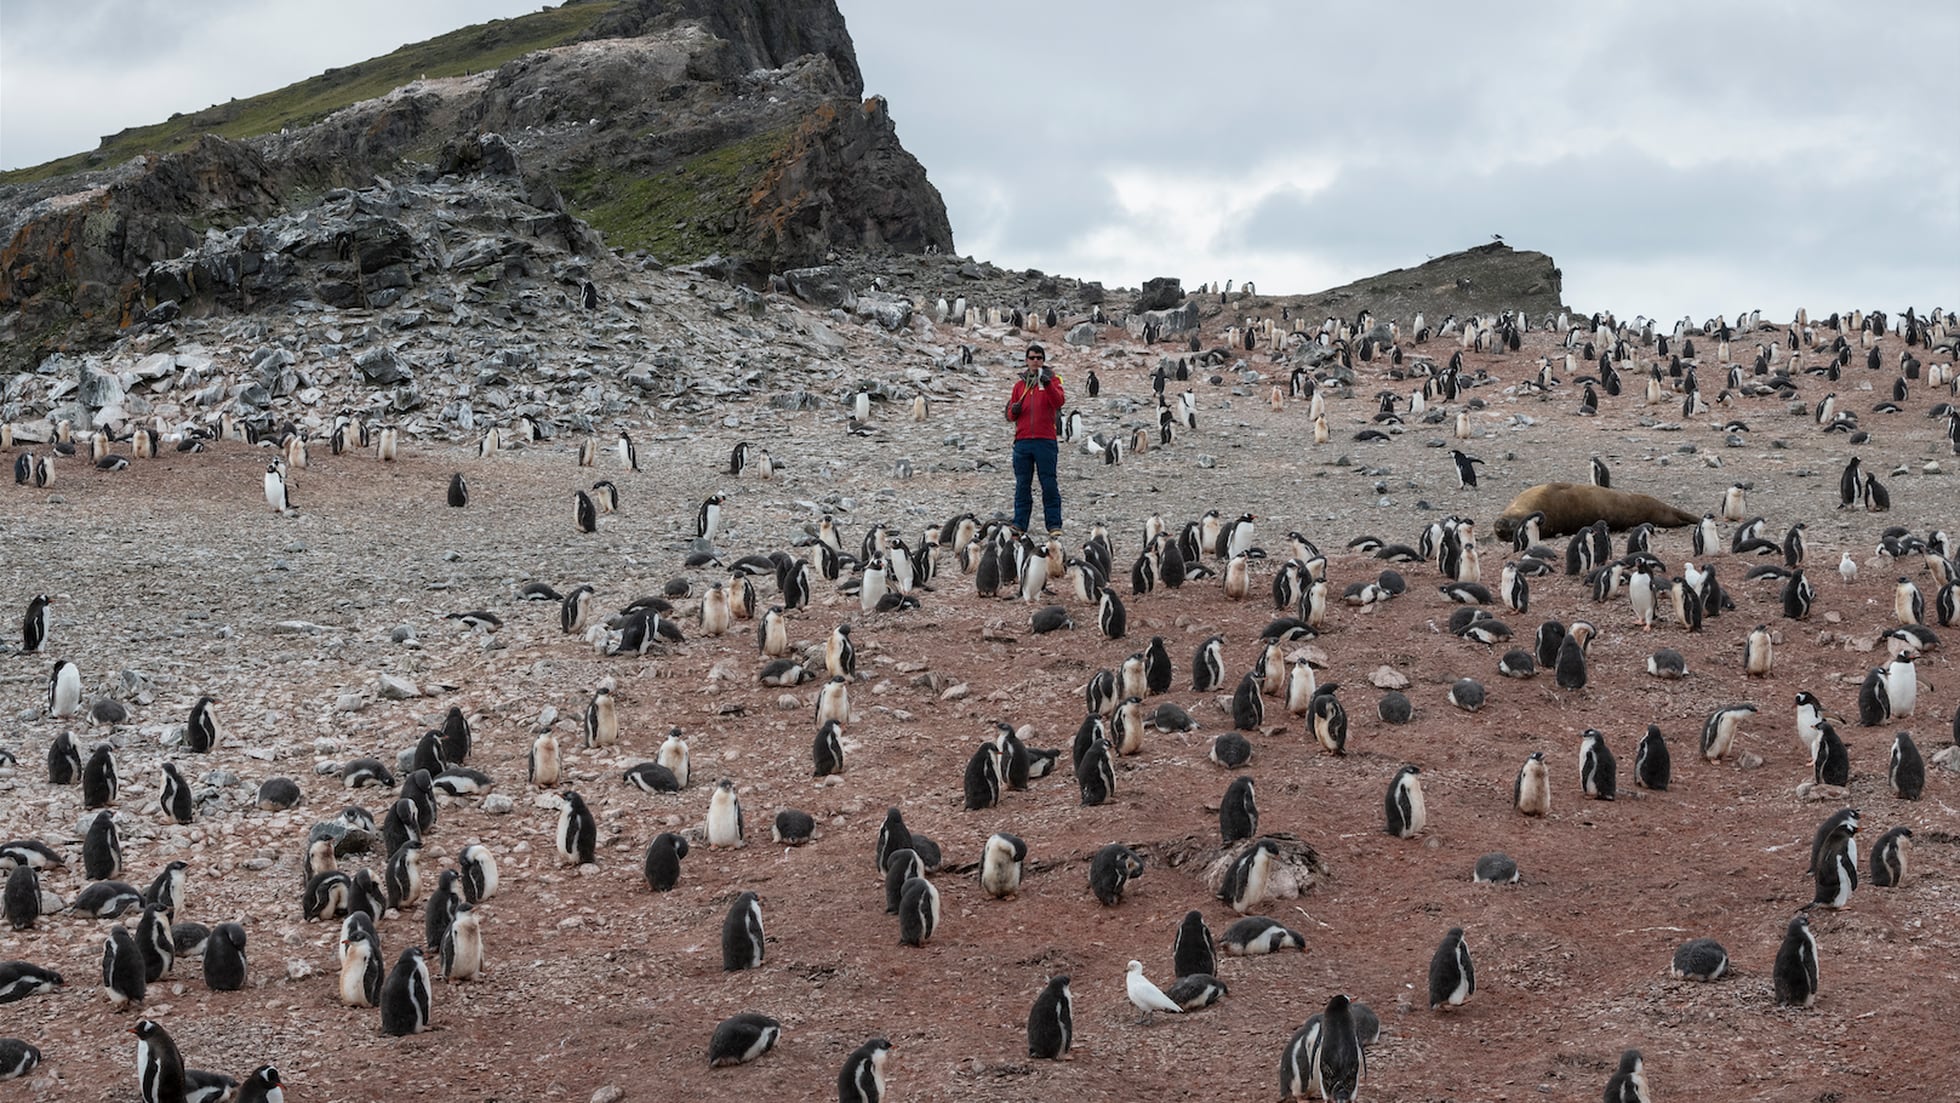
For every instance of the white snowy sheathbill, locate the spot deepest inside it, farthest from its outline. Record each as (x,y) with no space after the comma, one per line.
(1146,996)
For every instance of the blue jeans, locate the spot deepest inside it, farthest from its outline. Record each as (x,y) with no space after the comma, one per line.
(1031,456)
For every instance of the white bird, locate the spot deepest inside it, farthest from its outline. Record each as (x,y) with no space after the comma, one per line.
(1146,996)
(1848,567)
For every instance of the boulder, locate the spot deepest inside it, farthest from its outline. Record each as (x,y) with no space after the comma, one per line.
(823,285)
(99,388)
(381,367)
(890,311)
(1159,293)
(1183,319)
(1082,333)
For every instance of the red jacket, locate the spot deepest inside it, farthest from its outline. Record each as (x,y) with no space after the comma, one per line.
(1039,408)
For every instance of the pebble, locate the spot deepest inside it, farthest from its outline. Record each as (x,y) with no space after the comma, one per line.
(497,804)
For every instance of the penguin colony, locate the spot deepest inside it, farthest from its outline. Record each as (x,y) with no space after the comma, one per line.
(820,604)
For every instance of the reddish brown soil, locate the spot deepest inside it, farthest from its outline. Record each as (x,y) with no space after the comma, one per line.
(594,981)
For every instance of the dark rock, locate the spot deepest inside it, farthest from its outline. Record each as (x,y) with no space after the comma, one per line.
(824,285)
(381,367)
(1159,293)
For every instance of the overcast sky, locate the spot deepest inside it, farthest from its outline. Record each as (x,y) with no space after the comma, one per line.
(1673,158)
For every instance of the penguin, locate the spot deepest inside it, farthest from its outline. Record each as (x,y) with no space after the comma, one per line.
(575,610)
(169,890)
(1874,704)
(601,719)
(629,456)
(1245,883)
(1328,719)
(105,899)
(1757,653)
(1256,934)
(1531,793)
(834,701)
(175,800)
(1467,694)
(159,1067)
(1890,857)
(1718,731)
(742,1038)
(1238,815)
(263,1086)
(1836,870)
(982,781)
(1095,773)
(154,943)
(827,751)
(1051,1021)
(918,912)
(578,832)
(1466,470)
(1231,750)
(459,491)
(1208,666)
(440,908)
(22,897)
(1248,705)
(707,520)
(1798,596)
(17,1058)
(893,836)
(1795,970)
(1111,617)
(1452,978)
(1336,1061)
(1735,504)
(1192,951)
(839,656)
(1111,871)
(1403,807)
(64,689)
(278,494)
(1701,959)
(360,962)
(1906,773)
(1831,762)
(741,934)
(1597,767)
(1569,664)
(99,784)
(1156,667)
(34,626)
(102,854)
(1628,1084)
(1651,766)
(772,632)
(224,958)
(123,970)
(462,945)
(862,1079)
(21,979)
(585,516)
(725,826)
(673,756)
(405,995)
(1001,863)
(1901,685)
(546,768)
(64,760)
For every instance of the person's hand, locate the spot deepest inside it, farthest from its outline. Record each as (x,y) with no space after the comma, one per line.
(1047,375)
(1014,412)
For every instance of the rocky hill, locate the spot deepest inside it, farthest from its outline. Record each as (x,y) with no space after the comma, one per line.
(680,130)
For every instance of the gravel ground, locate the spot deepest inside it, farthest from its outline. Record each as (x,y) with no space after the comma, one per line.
(175,569)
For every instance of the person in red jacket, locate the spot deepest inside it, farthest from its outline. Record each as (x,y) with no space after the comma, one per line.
(1034,407)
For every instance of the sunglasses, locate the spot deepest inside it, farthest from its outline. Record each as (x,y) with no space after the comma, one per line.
(1035,356)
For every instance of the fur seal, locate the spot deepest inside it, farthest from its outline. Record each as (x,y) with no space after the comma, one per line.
(1570,507)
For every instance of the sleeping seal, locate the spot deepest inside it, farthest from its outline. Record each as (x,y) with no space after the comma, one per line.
(1569,507)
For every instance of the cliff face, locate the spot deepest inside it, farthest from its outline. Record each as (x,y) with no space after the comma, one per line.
(685,128)
(1489,277)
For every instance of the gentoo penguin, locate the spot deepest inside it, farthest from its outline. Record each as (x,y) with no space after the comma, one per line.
(918,912)
(1238,812)
(1837,867)
(1328,719)
(99,783)
(629,456)
(17,1058)
(224,958)
(1192,950)
(1628,1084)
(64,760)
(725,826)
(546,767)
(834,701)
(1452,979)
(1569,662)
(1051,1022)
(21,979)
(1336,1062)
(739,1039)
(1256,934)
(1718,731)
(1128,724)
(159,1067)
(741,934)
(1829,827)
(1467,694)
(1248,705)
(1906,773)
(440,908)
(1798,596)
(462,945)
(585,514)
(1096,773)
(1652,769)
(1902,684)
(1735,503)
(263,1086)
(901,866)
(982,782)
(673,755)
(34,626)
(1831,761)
(578,832)
(862,1079)
(1597,767)
(1245,883)
(662,866)
(1701,959)
(1531,793)
(122,969)
(459,491)
(1301,686)
(1001,863)
(1466,469)
(1111,870)
(1145,996)
(827,752)
(1757,652)
(839,656)
(102,854)
(1890,857)
(277,494)
(601,719)
(405,995)
(1394,708)
(1403,807)
(1111,618)
(360,962)
(64,689)
(1157,666)
(203,732)
(168,890)
(1795,971)
(175,799)
(893,836)
(154,943)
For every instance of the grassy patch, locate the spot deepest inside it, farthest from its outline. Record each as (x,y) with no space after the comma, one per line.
(680,214)
(469,50)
